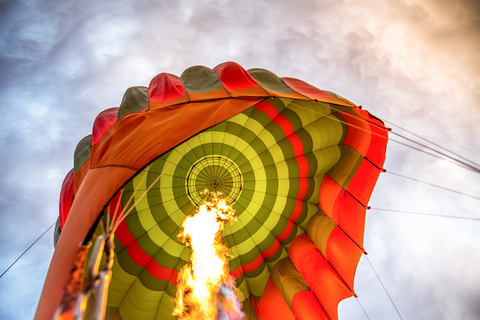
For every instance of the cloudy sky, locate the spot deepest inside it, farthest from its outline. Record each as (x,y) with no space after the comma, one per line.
(412,63)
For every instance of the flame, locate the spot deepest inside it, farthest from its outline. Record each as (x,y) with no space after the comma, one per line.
(205,289)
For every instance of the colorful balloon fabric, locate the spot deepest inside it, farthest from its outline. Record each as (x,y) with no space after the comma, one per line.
(298,164)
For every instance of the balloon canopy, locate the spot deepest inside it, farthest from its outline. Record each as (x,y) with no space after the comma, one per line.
(298,165)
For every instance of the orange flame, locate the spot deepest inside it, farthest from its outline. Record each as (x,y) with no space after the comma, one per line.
(205,289)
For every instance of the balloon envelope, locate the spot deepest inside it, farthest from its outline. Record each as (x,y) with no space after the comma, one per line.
(298,165)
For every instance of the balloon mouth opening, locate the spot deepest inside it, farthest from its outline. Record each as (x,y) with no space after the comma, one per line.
(217,174)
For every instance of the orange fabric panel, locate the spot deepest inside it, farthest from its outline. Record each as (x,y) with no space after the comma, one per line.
(319,274)
(216,94)
(362,184)
(343,254)
(80,175)
(350,216)
(342,208)
(102,122)
(291,95)
(328,193)
(305,306)
(97,188)
(137,140)
(272,306)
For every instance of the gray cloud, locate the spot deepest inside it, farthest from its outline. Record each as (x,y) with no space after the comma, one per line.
(415,64)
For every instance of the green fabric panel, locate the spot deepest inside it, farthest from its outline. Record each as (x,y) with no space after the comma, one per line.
(339,97)
(288,280)
(306,140)
(82,153)
(56,232)
(279,103)
(134,99)
(353,172)
(125,261)
(249,310)
(269,80)
(200,79)
(349,161)
(308,211)
(318,230)
(293,118)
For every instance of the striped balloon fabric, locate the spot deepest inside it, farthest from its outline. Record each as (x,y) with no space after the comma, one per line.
(298,165)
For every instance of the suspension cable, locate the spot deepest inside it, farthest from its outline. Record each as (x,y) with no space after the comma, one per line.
(433,185)
(27,249)
(365,312)
(472,167)
(383,287)
(461,165)
(435,144)
(425,214)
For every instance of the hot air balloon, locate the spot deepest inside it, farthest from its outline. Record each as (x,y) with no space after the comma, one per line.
(298,165)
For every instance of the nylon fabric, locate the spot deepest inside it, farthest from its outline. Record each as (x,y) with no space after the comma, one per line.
(296,162)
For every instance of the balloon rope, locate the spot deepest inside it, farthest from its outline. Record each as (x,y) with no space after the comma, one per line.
(147,190)
(465,164)
(434,185)
(426,214)
(117,223)
(27,249)
(435,144)
(434,155)
(110,225)
(383,287)
(365,312)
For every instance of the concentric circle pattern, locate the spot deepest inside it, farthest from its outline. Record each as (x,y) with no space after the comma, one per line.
(214,173)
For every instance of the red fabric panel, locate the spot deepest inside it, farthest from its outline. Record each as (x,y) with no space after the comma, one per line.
(305,306)
(165,87)
(306,88)
(358,134)
(287,231)
(272,306)
(366,136)
(312,92)
(247,267)
(268,109)
(320,276)
(102,122)
(367,116)
(272,250)
(297,211)
(141,258)
(343,254)
(363,182)
(67,195)
(237,272)
(286,126)
(234,77)
(378,146)
(350,216)
(342,208)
